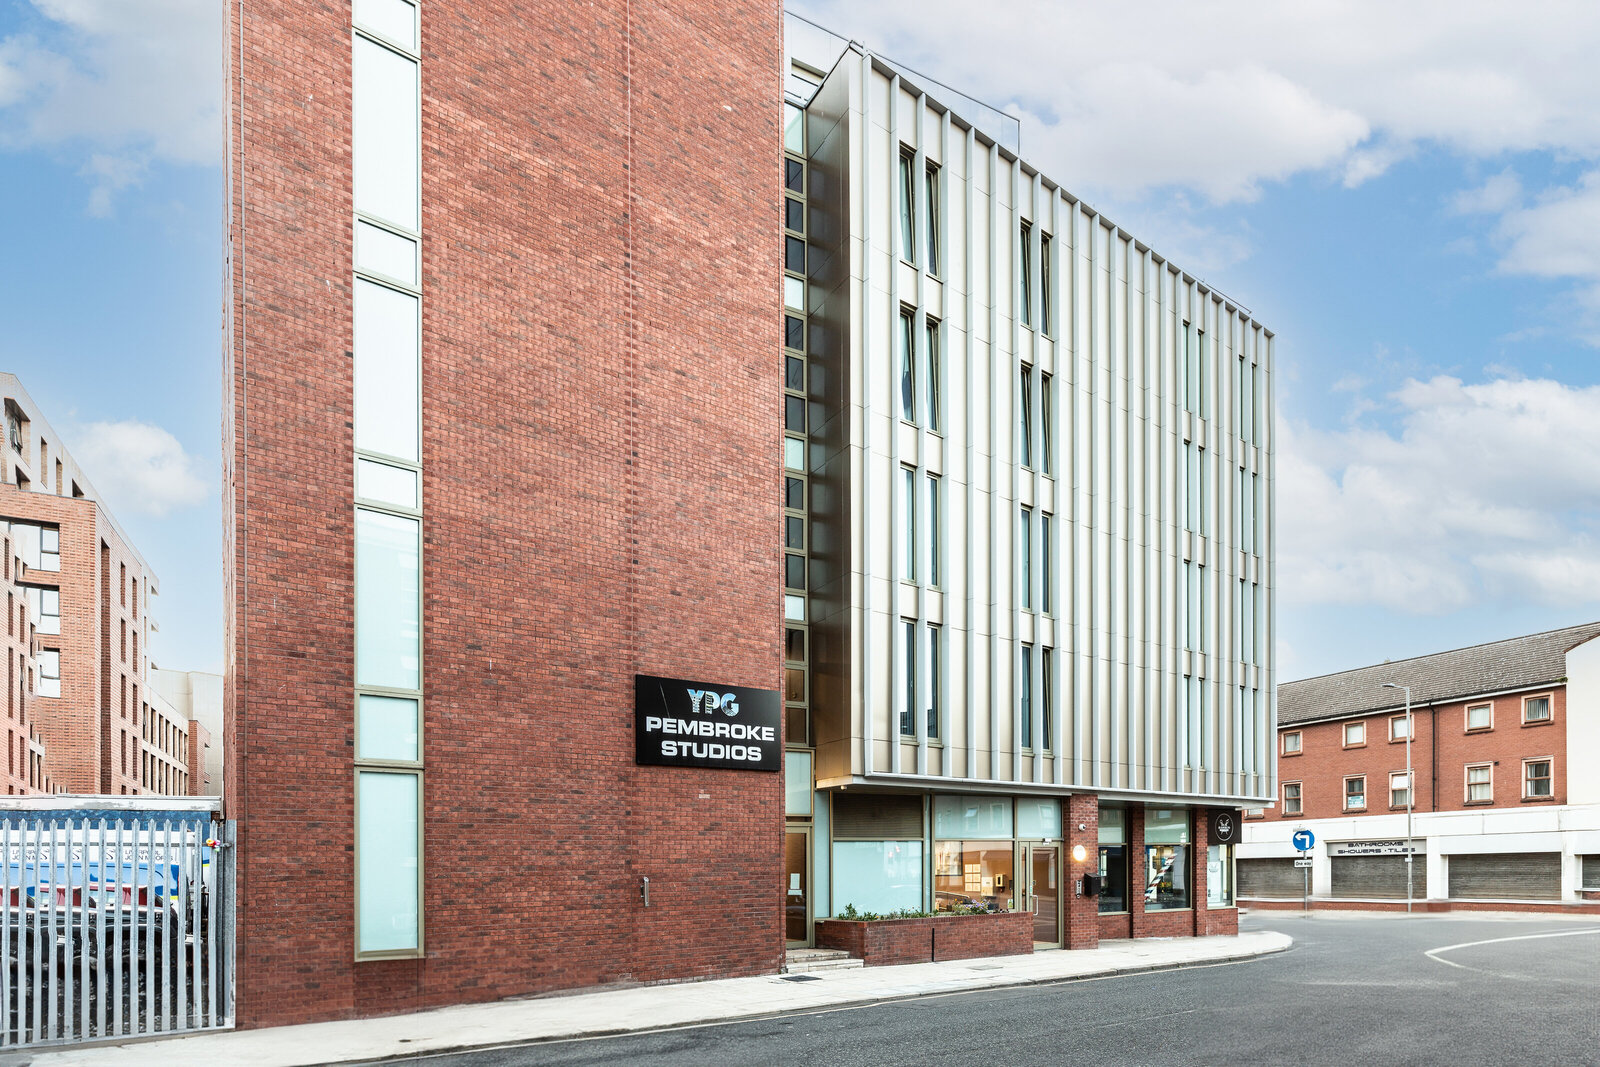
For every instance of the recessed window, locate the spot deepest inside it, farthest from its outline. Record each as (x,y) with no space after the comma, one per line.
(1480,783)
(1536,784)
(1355,793)
(930,373)
(1025,276)
(1291,798)
(1046,308)
(1397,728)
(1025,556)
(1046,413)
(1025,406)
(1046,698)
(1046,575)
(908,204)
(1291,743)
(1399,789)
(49,673)
(50,549)
(935,681)
(1355,733)
(908,547)
(908,374)
(1536,709)
(908,711)
(1480,717)
(935,533)
(1025,698)
(934,217)
(49,611)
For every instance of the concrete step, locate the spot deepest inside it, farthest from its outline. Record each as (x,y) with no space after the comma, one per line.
(811,960)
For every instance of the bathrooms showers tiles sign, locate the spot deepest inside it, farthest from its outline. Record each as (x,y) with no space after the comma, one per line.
(680,723)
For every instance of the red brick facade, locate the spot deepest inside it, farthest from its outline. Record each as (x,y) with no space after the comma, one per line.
(886,942)
(91,731)
(601,378)
(1441,752)
(1198,920)
(26,769)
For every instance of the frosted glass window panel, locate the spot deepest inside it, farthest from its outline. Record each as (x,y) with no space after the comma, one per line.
(380,251)
(794,130)
(982,817)
(386,728)
(386,871)
(794,293)
(388,601)
(393,20)
(386,484)
(384,135)
(794,453)
(797,783)
(1039,818)
(880,876)
(794,608)
(386,371)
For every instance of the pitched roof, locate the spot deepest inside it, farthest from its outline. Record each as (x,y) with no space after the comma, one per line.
(1517,663)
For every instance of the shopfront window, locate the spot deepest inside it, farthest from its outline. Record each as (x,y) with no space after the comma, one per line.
(967,817)
(1219,876)
(1166,859)
(879,876)
(973,874)
(1113,860)
(1039,819)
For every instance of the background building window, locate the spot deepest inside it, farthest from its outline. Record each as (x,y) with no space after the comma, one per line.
(1536,778)
(1355,733)
(1397,728)
(1355,793)
(1291,798)
(1399,789)
(1291,743)
(50,549)
(1536,709)
(49,673)
(1480,783)
(1480,717)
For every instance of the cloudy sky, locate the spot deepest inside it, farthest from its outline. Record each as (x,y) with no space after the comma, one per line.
(1409,194)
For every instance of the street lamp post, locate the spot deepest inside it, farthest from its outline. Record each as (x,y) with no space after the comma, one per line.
(1411,794)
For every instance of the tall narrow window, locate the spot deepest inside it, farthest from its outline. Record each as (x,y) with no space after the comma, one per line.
(932,356)
(908,549)
(1046,306)
(50,548)
(1047,416)
(1025,698)
(1191,606)
(935,533)
(908,206)
(1205,495)
(1025,557)
(49,673)
(931,190)
(1046,575)
(935,682)
(1191,487)
(1025,276)
(1047,699)
(1025,403)
(908,371)
(1205,374)
(908,636)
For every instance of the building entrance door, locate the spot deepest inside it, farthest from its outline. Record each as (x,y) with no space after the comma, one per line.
(1043,864)
(797,885)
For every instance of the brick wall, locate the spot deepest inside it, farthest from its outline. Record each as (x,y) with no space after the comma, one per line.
(1083,912)
(887,942)
(1440,753)
(601,385)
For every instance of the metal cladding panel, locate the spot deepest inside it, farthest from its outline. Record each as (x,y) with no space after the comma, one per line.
(1121,320)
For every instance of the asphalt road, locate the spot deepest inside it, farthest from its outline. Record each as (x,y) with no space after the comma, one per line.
(1355,989)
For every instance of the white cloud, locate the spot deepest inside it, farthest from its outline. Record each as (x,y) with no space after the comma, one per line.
(1557,237)
(1499,193)
(1488,492)
(124,80)
(139,467)
(1222,97)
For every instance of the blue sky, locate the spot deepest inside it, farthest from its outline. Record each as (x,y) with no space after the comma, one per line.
(1409,195)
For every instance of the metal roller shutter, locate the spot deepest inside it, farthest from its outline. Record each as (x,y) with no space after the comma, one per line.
(1591,872)
(1375,876)
(1270,878)
(870,817)
(1512,876)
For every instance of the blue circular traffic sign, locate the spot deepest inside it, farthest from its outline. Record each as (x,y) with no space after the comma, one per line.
(1304,840)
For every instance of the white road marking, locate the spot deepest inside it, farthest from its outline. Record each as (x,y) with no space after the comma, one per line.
(1433,953)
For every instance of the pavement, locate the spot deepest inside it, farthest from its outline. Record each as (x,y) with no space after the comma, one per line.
(647,1008)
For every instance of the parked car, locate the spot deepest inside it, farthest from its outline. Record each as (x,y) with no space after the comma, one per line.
(90,912)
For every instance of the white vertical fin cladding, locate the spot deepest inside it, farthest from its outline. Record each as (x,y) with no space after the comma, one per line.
(1116,489)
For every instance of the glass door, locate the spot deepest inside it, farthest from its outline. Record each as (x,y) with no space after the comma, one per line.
(1043,864)
(797,886)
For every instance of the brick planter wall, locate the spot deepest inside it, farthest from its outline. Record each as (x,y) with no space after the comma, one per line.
(884,942)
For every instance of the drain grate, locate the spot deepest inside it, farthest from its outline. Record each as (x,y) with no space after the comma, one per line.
(800,977)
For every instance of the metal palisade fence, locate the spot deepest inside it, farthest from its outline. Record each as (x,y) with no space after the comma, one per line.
(118,919)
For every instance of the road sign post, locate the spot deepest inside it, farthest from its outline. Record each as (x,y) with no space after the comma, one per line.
(1305,841)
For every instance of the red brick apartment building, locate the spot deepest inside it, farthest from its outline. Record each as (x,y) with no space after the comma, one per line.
(1496,816)
(25,770)
(504,378)
(89,594)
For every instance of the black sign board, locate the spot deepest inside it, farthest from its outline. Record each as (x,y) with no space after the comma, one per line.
(698,724)
(1224,826)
